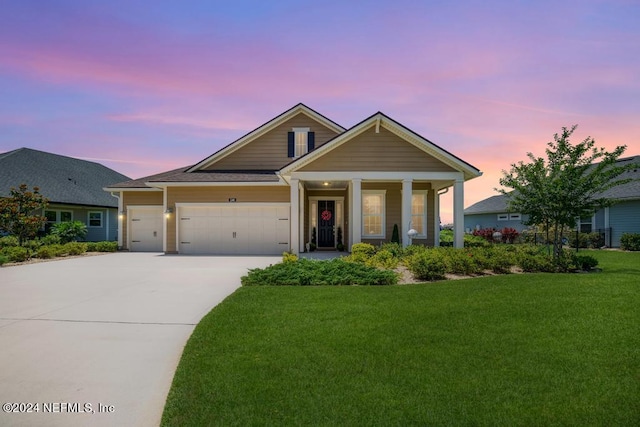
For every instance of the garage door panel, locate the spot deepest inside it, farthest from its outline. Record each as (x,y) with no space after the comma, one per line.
(237,229)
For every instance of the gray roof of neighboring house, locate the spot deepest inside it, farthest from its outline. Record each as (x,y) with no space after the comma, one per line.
(61,179)
(630,190)
(180,175)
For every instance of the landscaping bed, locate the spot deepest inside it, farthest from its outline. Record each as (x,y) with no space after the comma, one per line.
(48,248)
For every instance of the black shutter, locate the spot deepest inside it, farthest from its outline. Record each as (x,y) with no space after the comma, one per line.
(311,141)
(291,145)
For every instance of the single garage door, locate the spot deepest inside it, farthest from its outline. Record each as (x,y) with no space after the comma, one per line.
(239,229)
(145,229)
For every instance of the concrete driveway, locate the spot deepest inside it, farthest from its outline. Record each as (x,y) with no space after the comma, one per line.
(96,340)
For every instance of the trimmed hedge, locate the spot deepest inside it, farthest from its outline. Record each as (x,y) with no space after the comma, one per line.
(630,242)
(305,272)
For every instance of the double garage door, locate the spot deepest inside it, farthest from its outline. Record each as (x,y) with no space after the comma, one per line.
(247,229)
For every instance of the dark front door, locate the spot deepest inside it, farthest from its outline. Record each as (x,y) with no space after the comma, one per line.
(326,222)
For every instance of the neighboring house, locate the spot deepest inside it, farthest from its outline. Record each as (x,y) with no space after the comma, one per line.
(622,217)
(296,177)
(74,188)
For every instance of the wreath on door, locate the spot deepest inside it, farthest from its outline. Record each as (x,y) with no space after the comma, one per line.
(325,215)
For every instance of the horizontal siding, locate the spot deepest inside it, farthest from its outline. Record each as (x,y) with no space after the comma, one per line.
(371,151)
(624,217)
(269,152)
(264,194)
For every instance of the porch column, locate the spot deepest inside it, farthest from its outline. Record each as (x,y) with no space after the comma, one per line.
(356,211)
(301,216)
(407,192)
(458,213)
(294,217)
(121,219)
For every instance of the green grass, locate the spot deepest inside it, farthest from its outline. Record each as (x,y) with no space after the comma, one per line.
(539,349)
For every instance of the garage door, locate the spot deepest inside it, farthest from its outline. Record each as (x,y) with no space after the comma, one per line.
(145,229)
(241,229)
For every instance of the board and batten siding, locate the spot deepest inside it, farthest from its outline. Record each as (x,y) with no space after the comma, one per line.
(138,198)
(269,151)
(257,194)
(383,151)
(624,217)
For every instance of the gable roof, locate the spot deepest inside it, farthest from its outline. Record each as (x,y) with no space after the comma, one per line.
(61,179)
(627,191)
(261,130)
(380,119)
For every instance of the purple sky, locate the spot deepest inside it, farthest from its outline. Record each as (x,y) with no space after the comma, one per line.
(147,86)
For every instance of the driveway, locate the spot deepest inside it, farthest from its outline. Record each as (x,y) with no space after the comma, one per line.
(96,340)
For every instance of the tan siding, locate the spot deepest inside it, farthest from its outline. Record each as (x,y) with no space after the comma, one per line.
(372,151)
(216,195)
(269,152)
(138,198)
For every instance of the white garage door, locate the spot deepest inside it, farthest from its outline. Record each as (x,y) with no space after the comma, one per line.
(145,229)
(243,229)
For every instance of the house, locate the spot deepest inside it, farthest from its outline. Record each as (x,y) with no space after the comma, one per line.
(74,188)
(622,217)
(298,179)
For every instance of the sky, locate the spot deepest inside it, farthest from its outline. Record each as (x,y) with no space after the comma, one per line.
(147,86)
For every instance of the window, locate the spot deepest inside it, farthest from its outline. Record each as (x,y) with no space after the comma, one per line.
(300,141)
(503,217)
(95,219)
(373,207)
(515,217)
(586,224)
(419,213)
(54,217)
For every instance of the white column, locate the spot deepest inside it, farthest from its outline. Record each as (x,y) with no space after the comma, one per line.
(294,217)
(407,192)
(301,216)
(356,211)
(165,220)
(607,236)
(436,219)
(121,218)
(458,213)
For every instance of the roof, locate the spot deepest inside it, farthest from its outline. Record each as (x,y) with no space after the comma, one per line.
(381,119)
(627,191)
(181,175)
(261,130)
(61,179)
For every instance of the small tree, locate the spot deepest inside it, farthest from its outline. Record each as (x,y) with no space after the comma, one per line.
(18,215)
(395,236)
(70,231)
(567,186)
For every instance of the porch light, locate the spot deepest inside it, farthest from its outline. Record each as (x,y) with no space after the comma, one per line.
(121,214)
(326,184)
(168,212)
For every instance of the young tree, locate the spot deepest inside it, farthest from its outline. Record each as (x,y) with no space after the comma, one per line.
(566,186)
(18,212)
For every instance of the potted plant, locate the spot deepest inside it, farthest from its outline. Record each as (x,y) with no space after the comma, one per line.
(339,244)
(312,245)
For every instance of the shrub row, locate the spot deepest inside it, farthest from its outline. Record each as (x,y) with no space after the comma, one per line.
(305,272)
(38,249)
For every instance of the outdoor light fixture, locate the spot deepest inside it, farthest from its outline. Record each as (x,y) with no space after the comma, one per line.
(121,214)
(168,212)
(326,184)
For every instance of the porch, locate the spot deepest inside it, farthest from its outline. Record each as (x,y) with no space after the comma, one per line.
(333,208)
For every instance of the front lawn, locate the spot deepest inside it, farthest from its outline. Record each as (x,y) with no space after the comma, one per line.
(532,349)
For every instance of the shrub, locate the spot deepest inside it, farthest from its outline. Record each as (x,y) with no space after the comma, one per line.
(102,246)
(16,253)
(50,251)
(75,248)
(500,259)
(536,263)
(485,233)
(585,262)
(459,261)
(364,248)
(509,235)
(395,248)
(3,260)
(630,242)
(383,259)
(51,239)
(395,236)
(446,238)
(69,231)
(289,257)
(427,265)
(586,240)
(306,272)
(471,241)
(7,241)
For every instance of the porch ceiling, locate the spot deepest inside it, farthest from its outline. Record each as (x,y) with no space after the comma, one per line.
(325,185)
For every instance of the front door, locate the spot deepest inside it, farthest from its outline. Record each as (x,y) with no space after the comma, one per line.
(326,223)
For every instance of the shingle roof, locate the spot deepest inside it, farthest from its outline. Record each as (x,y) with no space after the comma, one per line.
(630,190)
(61,179)
(181,175)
